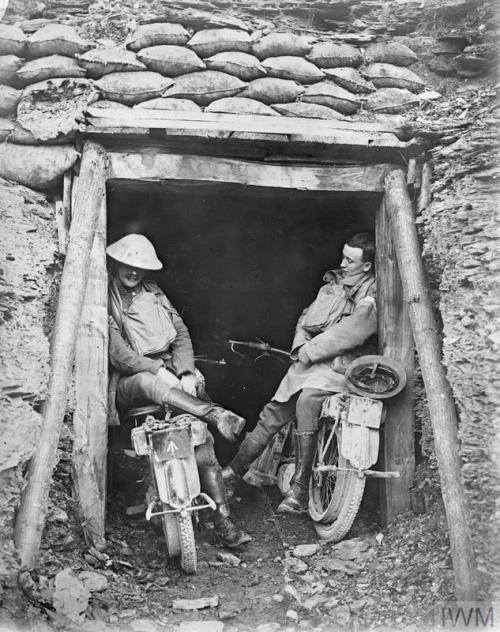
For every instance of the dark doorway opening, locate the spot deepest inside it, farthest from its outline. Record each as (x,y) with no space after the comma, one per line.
(239,263)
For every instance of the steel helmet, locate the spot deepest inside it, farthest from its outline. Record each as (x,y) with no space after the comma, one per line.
(375,376)
(135,250)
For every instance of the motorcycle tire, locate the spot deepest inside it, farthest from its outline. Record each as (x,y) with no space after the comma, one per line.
(189,561)
(334,497)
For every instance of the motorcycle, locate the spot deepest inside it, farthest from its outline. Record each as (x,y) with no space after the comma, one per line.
(348,443)
(169,441)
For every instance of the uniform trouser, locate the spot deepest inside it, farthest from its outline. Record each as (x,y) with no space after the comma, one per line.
(140,389)
(304,407)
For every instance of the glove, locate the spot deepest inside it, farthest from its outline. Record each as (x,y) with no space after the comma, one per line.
(189,384)
(169,378)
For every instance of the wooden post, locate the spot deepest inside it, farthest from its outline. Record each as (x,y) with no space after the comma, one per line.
(31,515)
(90,427)
(395,341)
(439,396)
(425,191)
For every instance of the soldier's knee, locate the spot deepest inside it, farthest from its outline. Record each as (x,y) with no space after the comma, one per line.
(205,453)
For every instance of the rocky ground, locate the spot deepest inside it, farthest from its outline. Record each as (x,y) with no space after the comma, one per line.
(283,580)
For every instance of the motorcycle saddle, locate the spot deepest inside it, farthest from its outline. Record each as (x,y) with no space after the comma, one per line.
(140,411)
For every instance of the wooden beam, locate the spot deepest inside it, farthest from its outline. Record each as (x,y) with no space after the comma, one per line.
(231,122)
(151,165)
(296,129)
(252,136)
(395,341)
(439,395)
(90,424)
(31,515)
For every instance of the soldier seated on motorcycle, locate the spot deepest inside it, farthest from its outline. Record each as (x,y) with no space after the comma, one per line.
(330,333)
(152,358)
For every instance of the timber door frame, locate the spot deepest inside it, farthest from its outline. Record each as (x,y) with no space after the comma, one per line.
(158,163)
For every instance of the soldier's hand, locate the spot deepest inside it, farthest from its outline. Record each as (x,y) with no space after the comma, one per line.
(303,357)
(189,384)
(169,378)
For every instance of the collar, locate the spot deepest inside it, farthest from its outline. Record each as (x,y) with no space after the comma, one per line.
(336,276)
(127,291)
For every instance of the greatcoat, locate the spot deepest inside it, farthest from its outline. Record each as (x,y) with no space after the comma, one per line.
(134,345)
(334,330)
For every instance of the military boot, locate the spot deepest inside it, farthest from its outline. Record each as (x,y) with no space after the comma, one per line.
(225,530)
(248,451)
(297,499)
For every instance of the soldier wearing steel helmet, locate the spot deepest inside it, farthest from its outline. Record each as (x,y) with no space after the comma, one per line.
(151,354)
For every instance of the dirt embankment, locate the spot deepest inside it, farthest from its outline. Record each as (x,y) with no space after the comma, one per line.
(460,241)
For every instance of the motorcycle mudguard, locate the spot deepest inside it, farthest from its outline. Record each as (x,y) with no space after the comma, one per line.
(360,432)
(178,481)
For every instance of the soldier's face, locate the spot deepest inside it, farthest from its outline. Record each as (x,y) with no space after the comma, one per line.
(129,276)
(352,261)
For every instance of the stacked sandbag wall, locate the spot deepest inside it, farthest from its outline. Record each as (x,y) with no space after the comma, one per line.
(49,78)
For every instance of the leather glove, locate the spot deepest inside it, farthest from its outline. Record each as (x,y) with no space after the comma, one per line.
(169,378)
(189,384)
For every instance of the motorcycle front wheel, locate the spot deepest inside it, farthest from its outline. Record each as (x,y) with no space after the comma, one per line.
(334,496)
(179,536)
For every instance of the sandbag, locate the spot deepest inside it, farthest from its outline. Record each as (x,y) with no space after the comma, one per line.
(205,86)
(242,65)
(350,79)
(240,105)
(105,60)
(333,96)
(132,87)
(212,41)
(9,98)
(11,131)
(295,68)
(50,109)
(7,127)
(49,68)
(334,55)
(170,105)
(391,100)
(390,53)
(57,39)
(157,34)
(34,166)
(12,40)
(171,61)
(9,65)
(278,44)
(307,110)
(390,76)
(270,90)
